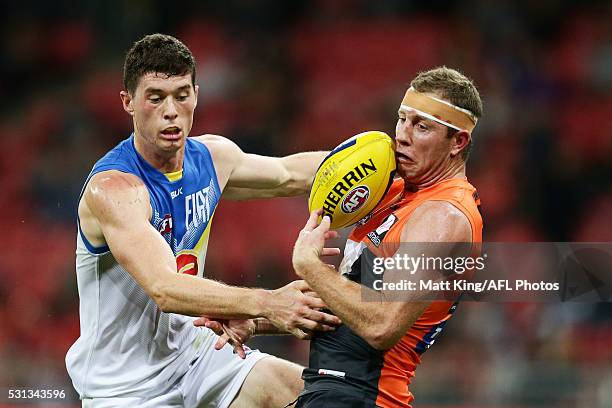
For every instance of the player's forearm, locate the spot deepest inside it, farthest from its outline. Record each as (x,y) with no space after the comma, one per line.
(301,169)
(288,177)
(193,296)
(368,319)
(264,327)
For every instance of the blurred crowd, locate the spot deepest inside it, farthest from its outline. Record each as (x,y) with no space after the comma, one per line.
(283,77)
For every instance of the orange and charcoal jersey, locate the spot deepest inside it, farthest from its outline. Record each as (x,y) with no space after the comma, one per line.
(341,360)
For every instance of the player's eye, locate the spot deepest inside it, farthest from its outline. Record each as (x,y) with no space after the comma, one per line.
(154,99)
(182,97)
(422,126)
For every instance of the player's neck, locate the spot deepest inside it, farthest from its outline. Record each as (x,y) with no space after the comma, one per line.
(164,161)
(450,173)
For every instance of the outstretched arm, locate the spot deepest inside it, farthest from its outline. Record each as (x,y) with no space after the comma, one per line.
(117,209)
(246,176)
(381,323)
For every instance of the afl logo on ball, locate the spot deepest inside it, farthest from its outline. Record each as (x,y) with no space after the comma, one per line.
(355,199)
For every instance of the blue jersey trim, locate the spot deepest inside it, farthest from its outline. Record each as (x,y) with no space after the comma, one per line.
(210,164)
(98,168)
(428,339)
(92,249)
(198,173)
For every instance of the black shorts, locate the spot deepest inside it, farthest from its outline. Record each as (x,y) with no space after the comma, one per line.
(333,399)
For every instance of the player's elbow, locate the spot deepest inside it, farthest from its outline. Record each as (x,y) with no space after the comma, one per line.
(291,186)
(382,336)
(300,183)
(163,303)
(160,294)
(296,189)
(294,181)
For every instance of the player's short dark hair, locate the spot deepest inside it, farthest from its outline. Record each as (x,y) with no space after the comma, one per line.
(453,86)
(157,53)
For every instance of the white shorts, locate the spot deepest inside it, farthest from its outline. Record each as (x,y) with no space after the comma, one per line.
(212,380)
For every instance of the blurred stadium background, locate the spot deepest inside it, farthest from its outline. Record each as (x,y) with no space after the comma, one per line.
(281,77)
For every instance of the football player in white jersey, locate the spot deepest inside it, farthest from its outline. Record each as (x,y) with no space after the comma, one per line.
(138,343)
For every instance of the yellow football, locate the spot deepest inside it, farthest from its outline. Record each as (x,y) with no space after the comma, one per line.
(353,178)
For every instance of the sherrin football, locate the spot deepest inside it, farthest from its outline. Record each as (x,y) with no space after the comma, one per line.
(353,178)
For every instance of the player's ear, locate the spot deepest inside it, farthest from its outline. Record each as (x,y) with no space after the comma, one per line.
(196,89)
(459,142)
(126,99)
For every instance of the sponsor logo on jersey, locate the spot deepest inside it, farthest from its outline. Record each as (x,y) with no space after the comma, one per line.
(355,199)
(165,226)
(187,263)
(379,233)
(197,208)
(176,193)
(351,178)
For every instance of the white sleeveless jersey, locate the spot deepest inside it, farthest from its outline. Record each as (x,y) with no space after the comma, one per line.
(127,345)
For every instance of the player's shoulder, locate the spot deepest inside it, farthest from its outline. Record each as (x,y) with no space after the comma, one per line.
(437,221)
(113,191)
(439,211)
(115,181)
(218,145)
(225,154)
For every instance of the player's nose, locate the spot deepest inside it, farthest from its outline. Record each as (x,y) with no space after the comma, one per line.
(170,111)
(403,134)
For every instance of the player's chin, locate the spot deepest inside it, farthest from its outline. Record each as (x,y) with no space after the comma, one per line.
(171,143)
(410,175)
(405,171)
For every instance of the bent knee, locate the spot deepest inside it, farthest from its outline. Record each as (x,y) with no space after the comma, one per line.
(282,372)
(272,382)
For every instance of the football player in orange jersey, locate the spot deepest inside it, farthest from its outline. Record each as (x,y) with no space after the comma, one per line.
(370,360)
